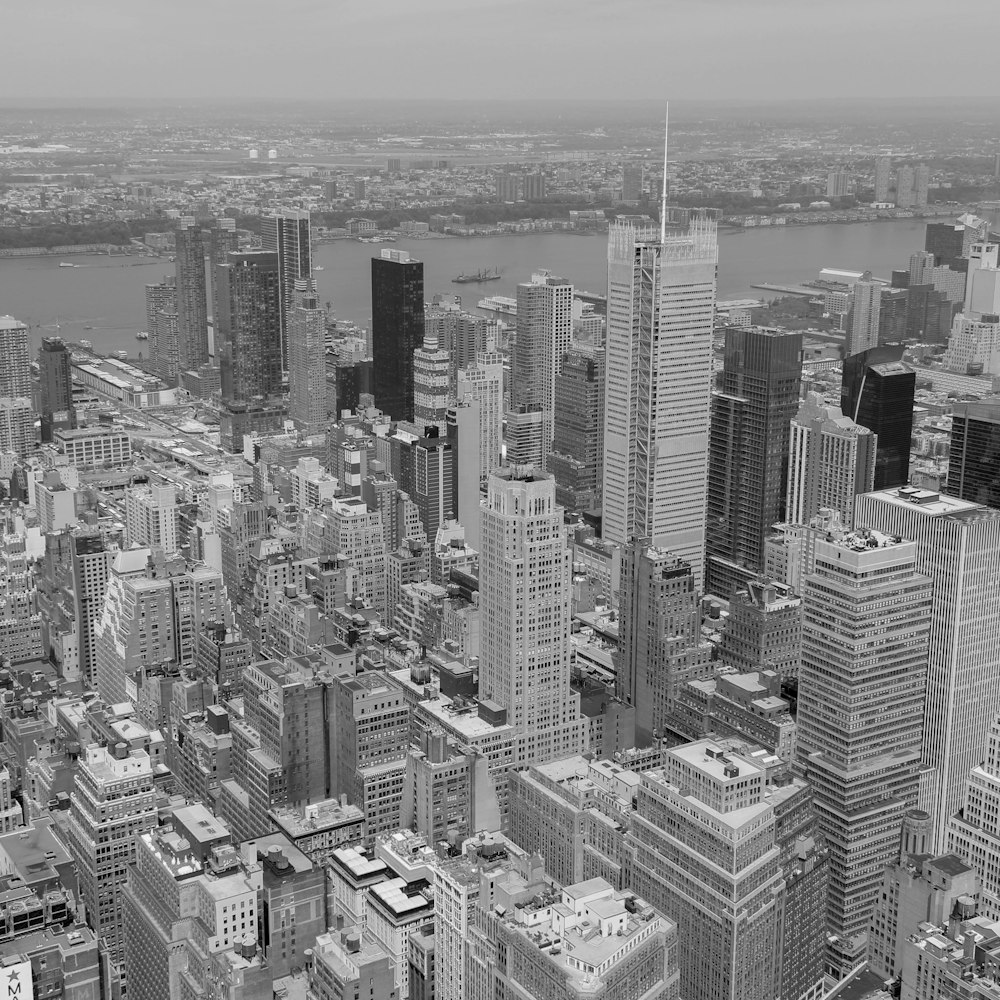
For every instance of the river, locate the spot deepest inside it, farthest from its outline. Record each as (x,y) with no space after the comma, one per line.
(103,298)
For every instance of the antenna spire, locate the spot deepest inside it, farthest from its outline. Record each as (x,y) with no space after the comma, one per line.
(663,196)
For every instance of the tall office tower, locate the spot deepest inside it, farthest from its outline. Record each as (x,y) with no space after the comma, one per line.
(17,425)
(466,338)
(15,372)
(484,383)
(112,804)
(921,267)
(192,301)
(876,391)
(248,327)
(830,460)
(705,851)
(525,584)
(860,712)
(526,433)
(764,629)
(577,431)
(433,487)
(982,280)
(660,646)
(397,330)
(431,365)
(307,393)
(748,457)
(945,240)
(55,386)
(92,557)
(632,183)
(544,335)
(866,302)
(661,313)
(974,345)
(838,184)
(288,235)
(974,831)
(974,459)
(921,182)
(883,168)
(151,515)
(905,194)
(958,545)
(465,437)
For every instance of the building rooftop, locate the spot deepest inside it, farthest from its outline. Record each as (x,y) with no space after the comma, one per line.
(316,817)
(929,502)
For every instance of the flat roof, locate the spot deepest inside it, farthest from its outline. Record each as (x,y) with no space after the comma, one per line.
(929,502)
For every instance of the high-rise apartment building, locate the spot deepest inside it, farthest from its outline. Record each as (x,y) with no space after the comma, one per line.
(578,428)
(288,235)
(973,344)
(883,168)
(838,183)
(974,459)
(15,373)
(860,713)
(758,395)
(866,302)
(525,594)
(397,329)
(705,851)
(17,425)
(151,517)
(307,392)
(112,804)
(248,327)
(905,193)
(544,335)
(55,386)
(764,629)
(431,367)
(92,557)
(831,459)
(464,437)
(661,313)
(660,646)
(161,298)
(484,382)
(877,392)
(921,183)
(958,547)
(192,300)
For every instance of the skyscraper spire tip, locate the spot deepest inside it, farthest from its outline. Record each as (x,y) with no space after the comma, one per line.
(663,197)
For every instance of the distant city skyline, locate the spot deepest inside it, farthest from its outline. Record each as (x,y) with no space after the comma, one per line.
(719,51)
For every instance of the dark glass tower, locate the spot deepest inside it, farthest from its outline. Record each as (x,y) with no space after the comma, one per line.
(758,395)
(248,326)
(192,302)
(945,240)
(877,392)
(578,426)
(288,235)
(397,329)
(974,464)
(55,386)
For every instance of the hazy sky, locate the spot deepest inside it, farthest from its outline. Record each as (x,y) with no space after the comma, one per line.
(345,49)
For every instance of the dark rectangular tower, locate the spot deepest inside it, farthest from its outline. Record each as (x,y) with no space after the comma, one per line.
(397,329)
(55,386)
(877,392)
(288,235)
(748,450)
(974,464)
(248,325)
(192,301)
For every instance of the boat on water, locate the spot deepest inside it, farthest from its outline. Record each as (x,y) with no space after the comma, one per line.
(318,267)
(142,335)
(66,263)
(87,344)
(479,276)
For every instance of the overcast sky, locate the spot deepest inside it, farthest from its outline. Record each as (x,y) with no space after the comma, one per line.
(481,49)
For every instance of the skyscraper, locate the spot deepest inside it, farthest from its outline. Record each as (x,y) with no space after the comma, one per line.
(544,334)
(974,459)
(877,392)
(660,646)
(248,325)
(307,392)
(905,194)
(397,329)
(958,546)
(764,629)
(161,297)
(865,307)
(55,386)
(661,313)
(860,712)
(288,235)
(525,581)
(484,382)
(973,345)
(192,302)
(15,372)
(883,168)
(431,367)
(945,240)
(921,182)
(577,430)
(831,459)
(748,456)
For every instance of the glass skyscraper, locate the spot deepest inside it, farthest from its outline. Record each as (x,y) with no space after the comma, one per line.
(397,329)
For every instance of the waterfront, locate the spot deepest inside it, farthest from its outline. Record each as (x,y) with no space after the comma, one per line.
(103,298)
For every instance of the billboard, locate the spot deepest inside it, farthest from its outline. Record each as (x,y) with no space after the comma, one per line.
(15,982)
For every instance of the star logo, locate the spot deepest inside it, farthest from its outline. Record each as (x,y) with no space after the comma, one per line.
(14,977)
